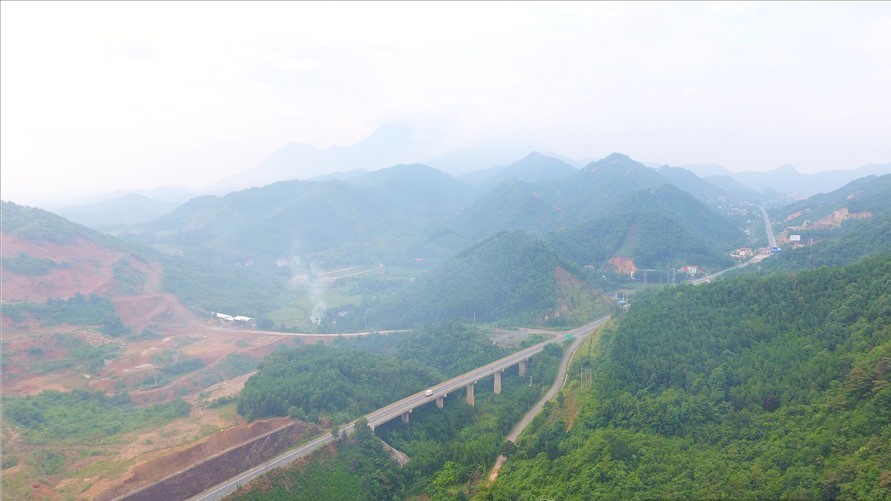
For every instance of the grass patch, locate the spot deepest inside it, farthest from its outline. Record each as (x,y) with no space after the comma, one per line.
(84,416)
(106,468)
(228,411)
(16,485)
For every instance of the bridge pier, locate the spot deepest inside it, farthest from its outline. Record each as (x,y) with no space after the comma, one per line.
(498,382)
(470,394)
(522,366)
(440,401)
(405,417)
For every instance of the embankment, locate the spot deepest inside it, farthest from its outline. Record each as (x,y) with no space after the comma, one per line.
(197,471)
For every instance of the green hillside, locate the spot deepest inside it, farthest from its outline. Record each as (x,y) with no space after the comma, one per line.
(866,234)
(532,168)
(583,196)
(273,222)
(419,187)
(703,190)
(659,228)
(754,388)
(38,225)
(510,277)
(549,205)
(339,383)
(513,205)
(600,184)
(868,194)
(384,213)
(197,282)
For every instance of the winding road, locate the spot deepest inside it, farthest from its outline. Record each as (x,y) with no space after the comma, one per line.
(559,381)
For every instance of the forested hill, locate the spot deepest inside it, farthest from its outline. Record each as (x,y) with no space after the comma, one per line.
(418,186)
(37,225)
(703,190)
(836,228)
(754,388)
(340,383)
(378,214)
(866,195)
(532,168)
(549,205)
(658,228)
(588,194)
(510,277)
(513,205)
(598,185)
(45,256)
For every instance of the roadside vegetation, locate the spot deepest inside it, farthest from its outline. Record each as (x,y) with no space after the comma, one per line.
(337,384)
(754,388)
(450,449)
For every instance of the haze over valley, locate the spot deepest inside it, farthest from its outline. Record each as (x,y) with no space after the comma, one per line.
(477,251)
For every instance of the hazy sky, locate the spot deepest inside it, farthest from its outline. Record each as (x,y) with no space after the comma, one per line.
(106,95)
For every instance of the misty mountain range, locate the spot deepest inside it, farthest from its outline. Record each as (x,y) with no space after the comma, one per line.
(484,166)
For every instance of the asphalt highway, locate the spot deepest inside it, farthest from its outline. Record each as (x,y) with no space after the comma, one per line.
(396,409)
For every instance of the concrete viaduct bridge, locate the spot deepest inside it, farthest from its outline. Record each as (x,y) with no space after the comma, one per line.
(401,409)
(466,381)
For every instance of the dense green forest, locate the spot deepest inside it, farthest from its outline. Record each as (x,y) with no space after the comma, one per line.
(76,310)
(452,448)
(756,388)
(226,253)
(416,217)
(319,383)
(449,448)
(231,289)
(337,384)
(512,205)
(383,213)
(660,228)
(82,416)
(509,277)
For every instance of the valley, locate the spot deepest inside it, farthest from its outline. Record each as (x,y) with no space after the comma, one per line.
(170,346)
(445,251)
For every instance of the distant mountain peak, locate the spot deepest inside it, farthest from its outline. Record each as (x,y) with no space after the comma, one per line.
(535,155)
(532,168)
(389,144)
(787,169)
(616,157)
(615,161)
